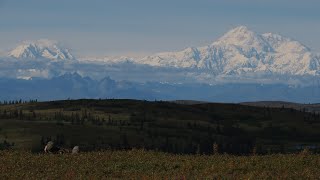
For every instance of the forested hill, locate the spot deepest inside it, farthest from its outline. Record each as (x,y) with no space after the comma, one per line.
(157,125)
(279,104)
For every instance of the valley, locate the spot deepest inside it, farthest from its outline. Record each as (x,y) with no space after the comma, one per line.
(159,125)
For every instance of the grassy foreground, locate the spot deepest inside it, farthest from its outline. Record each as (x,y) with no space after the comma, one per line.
(138,164)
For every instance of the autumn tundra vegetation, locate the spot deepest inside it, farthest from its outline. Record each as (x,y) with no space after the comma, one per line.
(142,164)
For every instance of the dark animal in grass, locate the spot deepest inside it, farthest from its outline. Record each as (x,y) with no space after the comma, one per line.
(51,148)
(64,151)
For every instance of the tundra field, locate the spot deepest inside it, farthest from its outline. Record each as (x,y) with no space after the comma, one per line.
(140,164)
(131,139)
(176,128)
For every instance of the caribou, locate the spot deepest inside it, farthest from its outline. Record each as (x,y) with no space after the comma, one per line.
(51,147)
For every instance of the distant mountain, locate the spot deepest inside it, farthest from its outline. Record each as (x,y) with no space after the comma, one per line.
(40,49)
(241,51)
(72,85)
(239,56)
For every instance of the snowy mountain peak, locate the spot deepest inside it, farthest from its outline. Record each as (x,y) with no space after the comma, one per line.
(39,49)
(242,37)
(240,30)
(240,33)
(241,52)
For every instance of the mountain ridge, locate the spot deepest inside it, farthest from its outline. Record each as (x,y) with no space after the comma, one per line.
(239,55)
(241,50)
(42,48)
(75,86)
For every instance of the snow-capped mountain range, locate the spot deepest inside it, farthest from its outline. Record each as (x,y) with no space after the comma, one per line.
(238,53)
(241,51)
(42,48)
(240,66)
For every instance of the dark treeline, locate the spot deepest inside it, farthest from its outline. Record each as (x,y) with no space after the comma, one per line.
(168,127)
(20,101)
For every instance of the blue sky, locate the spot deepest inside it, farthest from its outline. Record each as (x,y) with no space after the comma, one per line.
(139,27)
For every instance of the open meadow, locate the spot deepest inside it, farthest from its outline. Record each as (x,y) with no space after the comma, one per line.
(139,164)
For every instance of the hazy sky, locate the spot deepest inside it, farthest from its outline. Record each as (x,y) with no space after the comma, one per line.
(138,27)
